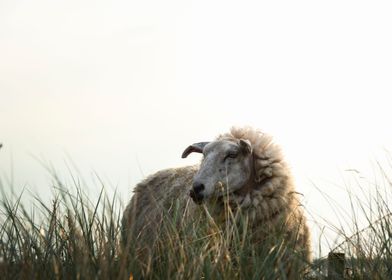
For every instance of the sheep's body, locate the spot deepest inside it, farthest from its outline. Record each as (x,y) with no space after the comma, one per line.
(154,196)
(270,204)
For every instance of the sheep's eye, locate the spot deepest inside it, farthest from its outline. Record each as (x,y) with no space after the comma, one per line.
(231,155)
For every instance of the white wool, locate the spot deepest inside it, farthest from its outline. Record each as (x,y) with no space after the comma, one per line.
(271,202)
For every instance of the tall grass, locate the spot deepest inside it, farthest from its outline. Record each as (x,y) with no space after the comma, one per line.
(364,231)
(202,248)
(69,238)
(369,248)
(73,237)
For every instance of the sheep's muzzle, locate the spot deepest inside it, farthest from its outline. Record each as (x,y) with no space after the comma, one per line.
(196,197)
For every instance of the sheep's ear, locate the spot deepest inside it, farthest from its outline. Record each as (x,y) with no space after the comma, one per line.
(246,146)
(197,148)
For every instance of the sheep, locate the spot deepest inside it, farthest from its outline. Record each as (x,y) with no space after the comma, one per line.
(243,169)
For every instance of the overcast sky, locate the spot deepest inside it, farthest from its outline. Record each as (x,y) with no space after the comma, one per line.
(122,87)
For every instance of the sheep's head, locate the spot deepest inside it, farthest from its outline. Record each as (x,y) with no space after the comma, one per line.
(227,167)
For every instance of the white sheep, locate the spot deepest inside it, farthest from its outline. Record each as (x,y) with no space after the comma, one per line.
(243,169)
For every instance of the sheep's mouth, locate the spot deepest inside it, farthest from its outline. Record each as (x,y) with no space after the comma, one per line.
(196,197)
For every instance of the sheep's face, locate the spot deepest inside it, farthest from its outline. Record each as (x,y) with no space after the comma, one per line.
(226,167)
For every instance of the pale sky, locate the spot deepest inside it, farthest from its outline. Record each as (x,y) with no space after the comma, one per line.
(122,87)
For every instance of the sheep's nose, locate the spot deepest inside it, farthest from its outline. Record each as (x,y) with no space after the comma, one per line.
(198,187)
(195,192)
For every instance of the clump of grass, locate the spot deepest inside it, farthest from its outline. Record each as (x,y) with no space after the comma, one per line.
(369,249)
(365,230)
(73,237)
(69,238)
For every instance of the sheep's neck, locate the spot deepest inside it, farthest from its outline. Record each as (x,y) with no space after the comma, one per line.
(249,185)
(247,188)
